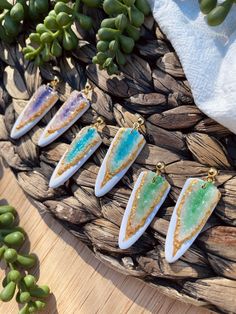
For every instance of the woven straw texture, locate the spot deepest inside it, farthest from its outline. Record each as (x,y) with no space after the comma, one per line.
(152,85)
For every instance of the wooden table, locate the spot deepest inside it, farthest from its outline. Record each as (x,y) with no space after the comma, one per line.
(79,282)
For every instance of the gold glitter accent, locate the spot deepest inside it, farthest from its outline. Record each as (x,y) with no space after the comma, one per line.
(67,166)
(131,230)
(108,175)
(66,122)
(179,243)
(52,98)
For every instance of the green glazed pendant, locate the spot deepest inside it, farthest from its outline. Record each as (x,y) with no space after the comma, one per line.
(148,195)
(195,204)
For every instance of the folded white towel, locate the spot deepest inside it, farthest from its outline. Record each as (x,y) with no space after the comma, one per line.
(208,55)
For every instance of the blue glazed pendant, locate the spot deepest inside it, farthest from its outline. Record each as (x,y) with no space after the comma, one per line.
(82,147)
(40,103)
(66,116)
(149,193)
(123,151)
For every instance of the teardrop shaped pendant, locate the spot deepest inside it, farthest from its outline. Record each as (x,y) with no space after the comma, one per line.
(124,149)
(40,103)
(195,204)
(83,146)
(149,193)
(66,116)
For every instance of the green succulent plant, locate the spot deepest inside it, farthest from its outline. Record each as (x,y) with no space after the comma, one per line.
(55,33)
(12,16)
(118,33)
(215,12)
(29,294)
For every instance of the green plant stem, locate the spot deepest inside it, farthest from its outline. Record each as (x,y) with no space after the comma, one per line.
(129,12)
(76,8)
(41,47)
(67,26)
(11,266)
(56,34)
(38,50)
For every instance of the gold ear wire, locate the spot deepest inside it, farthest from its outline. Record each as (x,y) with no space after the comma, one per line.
(87,90)
(138,123)
(212,173)
(160,167)
(100,121)
(54,82)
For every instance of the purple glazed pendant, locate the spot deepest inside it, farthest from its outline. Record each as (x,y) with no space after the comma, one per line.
(40,103)
(66,116)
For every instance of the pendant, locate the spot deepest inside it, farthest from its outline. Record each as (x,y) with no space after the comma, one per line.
(195,204)
(149,193)
(124,149)
(40,103)
(66,116)
(79,151)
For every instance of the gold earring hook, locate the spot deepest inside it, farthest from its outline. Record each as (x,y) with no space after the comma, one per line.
(138,124)
(212,173)
(87,90)
(54,82)
(100,121)
(160,168)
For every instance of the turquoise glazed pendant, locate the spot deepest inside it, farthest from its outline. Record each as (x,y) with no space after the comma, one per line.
(124,149)
(148,195)
(66,116)
(82,147)
(40,103)
(195,204)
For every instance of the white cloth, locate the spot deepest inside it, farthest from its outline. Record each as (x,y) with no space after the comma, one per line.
(207,54)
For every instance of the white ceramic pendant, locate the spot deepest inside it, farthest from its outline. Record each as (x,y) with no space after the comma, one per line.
(82,147)
(40,103)
(124,149)
(66,116)
(195,204)
(149,193)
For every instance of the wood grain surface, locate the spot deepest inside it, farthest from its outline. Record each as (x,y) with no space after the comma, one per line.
(80,283)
